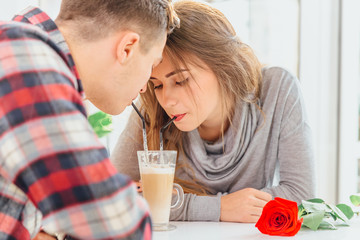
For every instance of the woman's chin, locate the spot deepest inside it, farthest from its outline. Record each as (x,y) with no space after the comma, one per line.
(185,128)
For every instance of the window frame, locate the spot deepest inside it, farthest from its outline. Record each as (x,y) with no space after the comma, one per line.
(349,144)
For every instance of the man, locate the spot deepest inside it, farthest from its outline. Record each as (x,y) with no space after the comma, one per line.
(54,171)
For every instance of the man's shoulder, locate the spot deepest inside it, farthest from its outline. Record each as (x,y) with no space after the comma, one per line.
(22,26)
(20,39)
(14,31)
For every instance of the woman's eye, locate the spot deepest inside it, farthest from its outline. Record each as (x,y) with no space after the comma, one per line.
(158,86)
(182,82)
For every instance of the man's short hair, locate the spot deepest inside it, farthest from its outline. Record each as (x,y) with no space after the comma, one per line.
(95,19)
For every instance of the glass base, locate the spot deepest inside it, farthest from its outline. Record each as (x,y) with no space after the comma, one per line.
(167,227)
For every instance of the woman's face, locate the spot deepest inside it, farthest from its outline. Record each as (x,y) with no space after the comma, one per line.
(191,94)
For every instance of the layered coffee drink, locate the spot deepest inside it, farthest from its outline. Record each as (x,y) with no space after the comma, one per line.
(157,170)
(157,184)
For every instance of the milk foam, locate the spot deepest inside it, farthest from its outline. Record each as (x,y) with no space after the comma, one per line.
(155,170)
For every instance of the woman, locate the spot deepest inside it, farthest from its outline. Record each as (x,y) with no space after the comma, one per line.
(241,130)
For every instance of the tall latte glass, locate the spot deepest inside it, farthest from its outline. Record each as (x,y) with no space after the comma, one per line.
(157,180)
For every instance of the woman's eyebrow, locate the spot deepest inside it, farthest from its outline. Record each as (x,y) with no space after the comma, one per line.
(175,72)
(171,73)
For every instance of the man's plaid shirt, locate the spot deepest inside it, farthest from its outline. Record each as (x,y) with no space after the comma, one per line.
(53,169)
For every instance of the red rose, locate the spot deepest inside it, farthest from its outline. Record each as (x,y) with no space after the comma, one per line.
(280,218)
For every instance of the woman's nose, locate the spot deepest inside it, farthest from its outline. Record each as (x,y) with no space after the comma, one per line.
(169,97)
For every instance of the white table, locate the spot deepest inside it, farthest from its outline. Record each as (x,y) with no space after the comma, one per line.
(239,231)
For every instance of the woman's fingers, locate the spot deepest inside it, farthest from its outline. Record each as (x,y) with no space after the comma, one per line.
(263,195)
(245,205)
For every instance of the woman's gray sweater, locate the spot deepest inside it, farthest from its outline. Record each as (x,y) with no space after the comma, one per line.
(273,154)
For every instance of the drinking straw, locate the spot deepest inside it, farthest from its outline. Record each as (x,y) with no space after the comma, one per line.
(161,140)
(161,132)
(144,131)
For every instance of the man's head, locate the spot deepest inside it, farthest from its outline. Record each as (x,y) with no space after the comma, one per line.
(115,45)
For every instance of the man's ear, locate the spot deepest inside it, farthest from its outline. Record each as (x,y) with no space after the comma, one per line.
(128,44)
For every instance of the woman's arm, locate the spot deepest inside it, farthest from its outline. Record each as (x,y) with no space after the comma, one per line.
(198,208)
(241,206)
(295,150)
(124,156)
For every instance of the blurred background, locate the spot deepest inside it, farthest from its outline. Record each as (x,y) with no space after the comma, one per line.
(317,40)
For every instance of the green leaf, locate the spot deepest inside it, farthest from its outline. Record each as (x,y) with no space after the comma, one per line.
(315,206)
(331,214)
(301,211)
(101,123)
(325,224)
(316,200)
(314,219)
(349,213)
(355,199)
(339,213)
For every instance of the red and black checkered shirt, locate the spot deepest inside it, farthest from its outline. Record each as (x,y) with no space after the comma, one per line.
(54,171)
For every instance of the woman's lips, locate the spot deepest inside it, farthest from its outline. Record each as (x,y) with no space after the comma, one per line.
(179,117)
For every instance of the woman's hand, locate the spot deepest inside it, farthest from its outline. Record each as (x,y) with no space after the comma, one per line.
(243,206)
(43,236)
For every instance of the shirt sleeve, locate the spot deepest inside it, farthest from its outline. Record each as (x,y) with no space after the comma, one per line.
(295,150)
(49,151)
(198,208)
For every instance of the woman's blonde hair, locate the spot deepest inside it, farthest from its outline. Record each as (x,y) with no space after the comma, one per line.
(204,34)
